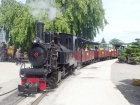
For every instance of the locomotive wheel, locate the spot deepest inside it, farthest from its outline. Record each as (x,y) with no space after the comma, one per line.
(52,82)
(70,70)
(65,73)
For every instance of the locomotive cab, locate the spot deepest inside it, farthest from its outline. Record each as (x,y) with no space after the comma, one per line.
(67,55)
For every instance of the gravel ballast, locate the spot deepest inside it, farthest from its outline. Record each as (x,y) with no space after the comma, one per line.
(122,75)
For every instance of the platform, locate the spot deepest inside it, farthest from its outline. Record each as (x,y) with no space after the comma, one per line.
(89,86)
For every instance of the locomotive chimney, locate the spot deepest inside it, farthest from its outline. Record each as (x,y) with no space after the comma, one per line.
(40,30)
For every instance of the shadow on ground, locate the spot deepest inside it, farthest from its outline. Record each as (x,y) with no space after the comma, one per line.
(130,92)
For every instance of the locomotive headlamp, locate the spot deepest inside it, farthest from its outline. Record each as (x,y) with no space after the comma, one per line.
(35,41)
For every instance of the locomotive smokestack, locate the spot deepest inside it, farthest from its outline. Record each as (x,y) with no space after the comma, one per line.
(40,30)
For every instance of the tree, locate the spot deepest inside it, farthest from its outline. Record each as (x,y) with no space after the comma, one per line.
(103,41)
(116,42)
(137,39)
(18,22)
(103,44)
(132,53)
(83,18)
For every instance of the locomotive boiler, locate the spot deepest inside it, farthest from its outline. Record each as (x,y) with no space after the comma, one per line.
(50,60)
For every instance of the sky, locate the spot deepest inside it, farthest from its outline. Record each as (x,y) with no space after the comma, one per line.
(23,1)
(124,20)
(123,17)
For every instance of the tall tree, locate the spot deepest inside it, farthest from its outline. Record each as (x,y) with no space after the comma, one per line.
(18,22)
(85,17)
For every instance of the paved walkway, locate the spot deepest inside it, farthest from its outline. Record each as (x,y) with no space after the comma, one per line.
(8,71)
(89,86)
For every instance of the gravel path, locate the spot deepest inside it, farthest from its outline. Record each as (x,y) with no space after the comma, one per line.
(121,76)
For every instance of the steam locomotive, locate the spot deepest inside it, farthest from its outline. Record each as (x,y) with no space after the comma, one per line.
(54,56)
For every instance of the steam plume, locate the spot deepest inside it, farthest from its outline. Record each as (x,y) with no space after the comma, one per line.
(41,8)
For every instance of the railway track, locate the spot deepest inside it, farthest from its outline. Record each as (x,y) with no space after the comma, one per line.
(23,98)
(36,102)
(17,98)
(8,92)
(20,99)
(11,98)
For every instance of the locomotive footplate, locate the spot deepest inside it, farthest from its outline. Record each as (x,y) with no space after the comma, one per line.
(29,90)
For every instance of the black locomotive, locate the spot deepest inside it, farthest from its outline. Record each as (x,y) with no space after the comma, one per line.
(52,58)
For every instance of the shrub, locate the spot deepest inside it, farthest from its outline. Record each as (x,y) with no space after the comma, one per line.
(133,60)
(122,58)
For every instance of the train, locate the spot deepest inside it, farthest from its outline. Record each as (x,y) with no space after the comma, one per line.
(53,56)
